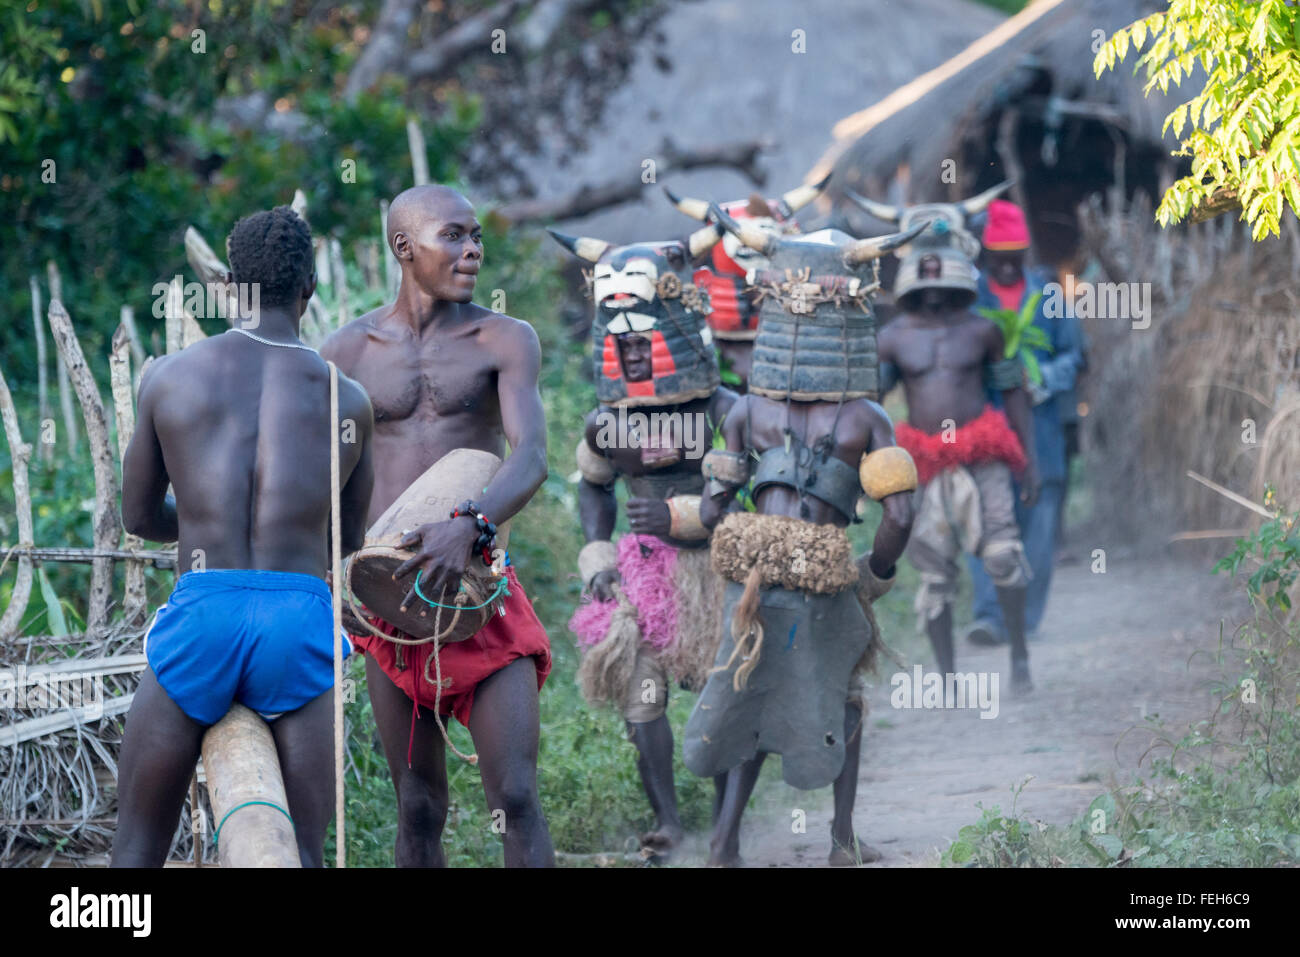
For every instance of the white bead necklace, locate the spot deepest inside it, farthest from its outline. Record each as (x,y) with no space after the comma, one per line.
(269,342)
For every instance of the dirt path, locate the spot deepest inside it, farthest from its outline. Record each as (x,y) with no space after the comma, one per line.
(1116,647)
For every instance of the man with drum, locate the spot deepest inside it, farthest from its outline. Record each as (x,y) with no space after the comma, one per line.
(445,374)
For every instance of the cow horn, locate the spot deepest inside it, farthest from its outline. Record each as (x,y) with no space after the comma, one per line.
(864,250)
(694,208)
(746,232)
(799,197)
(584,247)
(704,238)
(977,204)
(889,214)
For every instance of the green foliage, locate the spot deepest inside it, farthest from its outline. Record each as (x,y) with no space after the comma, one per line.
(994,840)
(1020,334)
(1228,792)
(729,376)
(122,98)
(1244,124)
(1276,545)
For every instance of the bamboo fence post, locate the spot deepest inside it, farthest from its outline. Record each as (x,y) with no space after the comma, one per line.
(419,155)
(368,256)
(71,432)
(392,274)
(134,604)
(21,454)
(321,249)
(340,282)
(127,319)
(44,449)
(107,526)
(182,328)
(173,309)
(211,270)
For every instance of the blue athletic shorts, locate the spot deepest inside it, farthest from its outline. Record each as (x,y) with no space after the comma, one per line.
(261,638)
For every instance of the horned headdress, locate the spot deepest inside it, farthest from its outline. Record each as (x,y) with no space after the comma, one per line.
(735,313)
(816,337)
(949,238)
(647,288)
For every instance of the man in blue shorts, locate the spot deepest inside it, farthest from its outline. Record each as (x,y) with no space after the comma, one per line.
(239,425)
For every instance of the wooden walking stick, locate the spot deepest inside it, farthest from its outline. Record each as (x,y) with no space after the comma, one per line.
(336,596)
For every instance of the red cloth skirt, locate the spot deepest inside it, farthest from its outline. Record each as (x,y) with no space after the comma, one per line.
(986,438)
(465,664)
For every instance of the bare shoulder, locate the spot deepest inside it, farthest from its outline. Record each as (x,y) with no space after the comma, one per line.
(507,336)
(354,400)
(157,373)
(195,361)
(346,344)
(870,416)
(985,327)
(886,334)
(721,403)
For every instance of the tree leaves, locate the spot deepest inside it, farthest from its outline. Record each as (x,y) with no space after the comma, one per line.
(1243,126)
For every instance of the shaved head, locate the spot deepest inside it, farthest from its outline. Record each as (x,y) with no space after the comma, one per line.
(420,206)
(437,240)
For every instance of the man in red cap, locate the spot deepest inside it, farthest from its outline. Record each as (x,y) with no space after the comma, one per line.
(1005,283)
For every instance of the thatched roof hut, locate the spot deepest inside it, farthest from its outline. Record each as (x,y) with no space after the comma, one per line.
(1020,101)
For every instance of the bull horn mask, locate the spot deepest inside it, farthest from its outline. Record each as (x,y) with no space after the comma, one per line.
(789,203)
(882,211)
(855,253)
(893,214)
(749,234)
(584,247)
(977,204)
(864,250)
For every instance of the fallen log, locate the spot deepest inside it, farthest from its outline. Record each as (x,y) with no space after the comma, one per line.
(243,769)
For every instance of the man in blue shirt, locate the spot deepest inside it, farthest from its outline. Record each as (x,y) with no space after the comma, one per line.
(1005,283)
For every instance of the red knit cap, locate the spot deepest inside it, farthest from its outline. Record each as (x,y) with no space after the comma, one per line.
(1006,227)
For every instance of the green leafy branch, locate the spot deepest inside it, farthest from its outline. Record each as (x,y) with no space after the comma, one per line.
(1020,334)
(1243,127)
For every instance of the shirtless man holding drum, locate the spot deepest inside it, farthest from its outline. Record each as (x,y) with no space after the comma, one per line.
(444,374)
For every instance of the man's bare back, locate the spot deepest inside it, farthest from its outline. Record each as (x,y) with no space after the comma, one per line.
(241,429)
(239,425)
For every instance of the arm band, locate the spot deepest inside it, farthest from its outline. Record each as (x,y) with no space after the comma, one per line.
(1005,374)
(595,468)
(685,523)
(724,471)
(596,557)
(886,471)
(871,586)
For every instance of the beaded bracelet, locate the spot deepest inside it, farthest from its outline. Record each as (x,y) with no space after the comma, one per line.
(487,531)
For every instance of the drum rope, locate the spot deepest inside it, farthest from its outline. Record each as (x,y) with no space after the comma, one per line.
(500,592)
